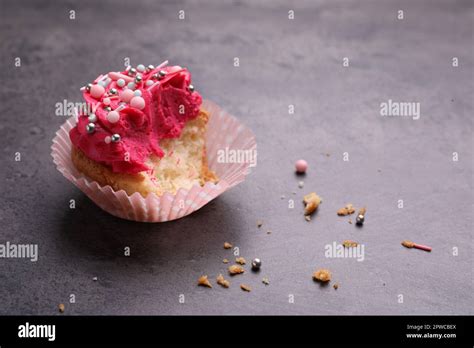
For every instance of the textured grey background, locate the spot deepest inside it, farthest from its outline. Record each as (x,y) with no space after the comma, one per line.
(282,62)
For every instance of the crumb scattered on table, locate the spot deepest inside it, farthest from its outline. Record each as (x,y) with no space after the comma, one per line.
(240,260)
(349,244)
(311,201)
(236,269)
(61,308)
(322,275)
(245,287)
(225,261)
(347,210)
(259,223)
(227,245)
(408,244)
(222,282)
(265,281)
(335,286)
(203,281)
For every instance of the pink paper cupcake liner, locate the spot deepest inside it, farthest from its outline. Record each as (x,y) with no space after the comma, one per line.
(224,133)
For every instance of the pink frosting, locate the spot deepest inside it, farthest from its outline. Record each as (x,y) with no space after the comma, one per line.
(168,105)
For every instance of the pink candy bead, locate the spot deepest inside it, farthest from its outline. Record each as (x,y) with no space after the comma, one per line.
(97,91)
(113,116)
(301,166)
(138,102)
(126,95)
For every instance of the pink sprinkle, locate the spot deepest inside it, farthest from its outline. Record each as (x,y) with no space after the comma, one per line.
(106,101)
(115,76)
(301,166)
(126,95)
(138,102)
(113,117)
(97,91)
(107,140)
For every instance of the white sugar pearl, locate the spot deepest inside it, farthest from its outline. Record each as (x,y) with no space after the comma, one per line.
(120,82)
(149,83)
(131,85)
(141,68)
(138,93)
(106,101)
(138,102)
(113,117)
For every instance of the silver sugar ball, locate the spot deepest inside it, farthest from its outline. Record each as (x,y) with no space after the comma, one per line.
(150,68)
(256,264)
(115,138)
(360,220)
(92,117)
(191,88)
(162,73)
(113,91)
(132,72)
(138,78)
(155,76)
(107,108)
(88,87)
(90,128)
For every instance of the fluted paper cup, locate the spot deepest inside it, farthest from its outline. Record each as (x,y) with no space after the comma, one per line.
(227,139)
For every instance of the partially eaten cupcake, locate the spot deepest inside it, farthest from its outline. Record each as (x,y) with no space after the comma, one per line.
(146,131)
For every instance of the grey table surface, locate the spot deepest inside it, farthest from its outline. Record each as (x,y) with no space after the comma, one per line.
(337,109)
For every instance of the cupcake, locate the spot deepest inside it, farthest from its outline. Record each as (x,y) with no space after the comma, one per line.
(145,132)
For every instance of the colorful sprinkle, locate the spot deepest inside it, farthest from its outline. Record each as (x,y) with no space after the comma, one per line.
(138,102)
(113,117)
(120,82)
(126,95)
(301,166)
(97,91)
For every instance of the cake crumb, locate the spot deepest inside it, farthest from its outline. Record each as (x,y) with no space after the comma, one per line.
(236,269)
(245,287)
(347,210)
(349,244)
(225,261)
(322,275)
(311,201)
(203,281)
(259,223)
(307,217)
(301,184)
(222,282)
(335,286)
(265,281)
(61,308)
(269,232)
(350,221)
(408,244)
(227,245)
(240,260)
